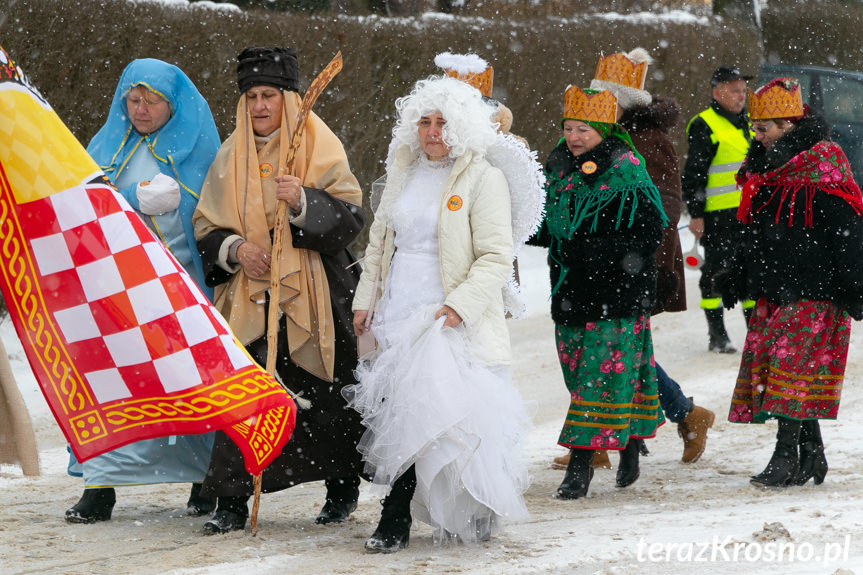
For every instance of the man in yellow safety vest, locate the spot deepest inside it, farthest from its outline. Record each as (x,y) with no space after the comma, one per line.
(718,141)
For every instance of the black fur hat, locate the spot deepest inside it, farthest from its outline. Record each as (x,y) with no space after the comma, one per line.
(276,66)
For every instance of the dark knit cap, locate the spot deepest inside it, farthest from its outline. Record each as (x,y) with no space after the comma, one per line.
(276,66)
(727,74)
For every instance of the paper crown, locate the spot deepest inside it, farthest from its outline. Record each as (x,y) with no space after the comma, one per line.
(619,69)
(779,98)
(469,68)
(598,107)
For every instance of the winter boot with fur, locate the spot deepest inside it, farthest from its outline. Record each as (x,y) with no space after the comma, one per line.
(783,465)
(628,470)
(579,472)
(394,530)
(719,342)
(693,431)
(813,463)
(95,505)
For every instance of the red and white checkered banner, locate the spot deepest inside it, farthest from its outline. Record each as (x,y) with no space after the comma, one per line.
(123,344)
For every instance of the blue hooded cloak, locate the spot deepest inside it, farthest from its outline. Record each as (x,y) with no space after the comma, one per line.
(183,148)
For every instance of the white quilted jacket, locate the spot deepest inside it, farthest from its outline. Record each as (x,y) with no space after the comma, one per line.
(476,249)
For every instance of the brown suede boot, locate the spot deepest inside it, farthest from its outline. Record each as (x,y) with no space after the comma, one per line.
(561,462)
(693,431)
(600,460)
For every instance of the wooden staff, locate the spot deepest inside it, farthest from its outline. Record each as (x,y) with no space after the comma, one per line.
(317,86)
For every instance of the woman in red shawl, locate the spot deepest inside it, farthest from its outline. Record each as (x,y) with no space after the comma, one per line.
(802,263)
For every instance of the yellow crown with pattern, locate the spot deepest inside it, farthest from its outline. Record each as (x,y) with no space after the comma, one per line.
(619,69)
(589,107)
(779,98)
(469,68)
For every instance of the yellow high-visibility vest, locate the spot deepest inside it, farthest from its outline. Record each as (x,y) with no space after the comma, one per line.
(721,189)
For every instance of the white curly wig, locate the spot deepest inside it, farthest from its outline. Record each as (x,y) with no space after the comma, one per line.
(468,118)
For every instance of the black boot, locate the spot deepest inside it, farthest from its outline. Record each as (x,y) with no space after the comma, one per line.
(394,530)
(95,505)
(813,463)
(628,470)
(579,472)
(342,496)
(231,515)
(719,342)
(783,465)
(199,505)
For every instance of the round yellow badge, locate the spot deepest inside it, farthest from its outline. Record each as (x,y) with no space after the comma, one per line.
(266,170)
(454,203)
(588,167)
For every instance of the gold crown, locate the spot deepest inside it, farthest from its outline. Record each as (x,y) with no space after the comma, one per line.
(618,69)
(599,107)
(482,81)
(780,98)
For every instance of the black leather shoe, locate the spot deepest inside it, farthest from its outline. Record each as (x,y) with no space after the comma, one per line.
(382,542)
(813,463)
(484,527)
(579,473)
(95,505)
(784,464)
(628,470)
(333,512)
(224,521)
(721,345)
(197,505)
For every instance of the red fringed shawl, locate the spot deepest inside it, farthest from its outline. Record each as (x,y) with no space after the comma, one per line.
(823,167)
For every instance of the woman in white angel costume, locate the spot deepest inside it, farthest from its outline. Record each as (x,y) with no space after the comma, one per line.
(444,422)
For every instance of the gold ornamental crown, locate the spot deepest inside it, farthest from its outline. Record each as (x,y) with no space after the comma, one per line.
(590,106)
(619,69)
(482,81)
(469,68)
(779,98)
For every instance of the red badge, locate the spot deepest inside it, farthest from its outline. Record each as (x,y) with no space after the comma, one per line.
(454,203)
(588,167)
(266,170)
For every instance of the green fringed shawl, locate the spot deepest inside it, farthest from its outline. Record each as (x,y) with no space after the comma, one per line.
(572,204)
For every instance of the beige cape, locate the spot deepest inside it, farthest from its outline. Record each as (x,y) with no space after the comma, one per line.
(239,195)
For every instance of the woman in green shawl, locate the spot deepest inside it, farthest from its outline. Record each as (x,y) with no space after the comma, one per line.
(603,224)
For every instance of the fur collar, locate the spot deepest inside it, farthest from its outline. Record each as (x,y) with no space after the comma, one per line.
(663,113)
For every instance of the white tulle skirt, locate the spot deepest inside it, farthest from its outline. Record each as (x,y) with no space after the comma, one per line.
(426,402)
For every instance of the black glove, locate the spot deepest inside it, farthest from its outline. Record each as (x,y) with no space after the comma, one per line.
(855,310)
(723,284)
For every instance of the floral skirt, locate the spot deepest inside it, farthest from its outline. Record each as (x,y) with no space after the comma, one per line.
(609,370)
(793,362)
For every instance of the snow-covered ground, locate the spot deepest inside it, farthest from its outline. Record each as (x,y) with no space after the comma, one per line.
(701,518)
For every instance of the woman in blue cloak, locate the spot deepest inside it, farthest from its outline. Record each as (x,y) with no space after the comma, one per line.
(156,146)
